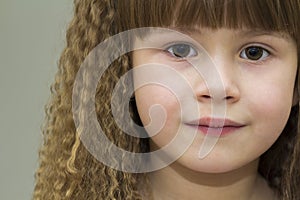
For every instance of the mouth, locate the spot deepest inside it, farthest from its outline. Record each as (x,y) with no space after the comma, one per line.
(216,126)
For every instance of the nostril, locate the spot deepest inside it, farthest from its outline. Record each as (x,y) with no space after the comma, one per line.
(206,96)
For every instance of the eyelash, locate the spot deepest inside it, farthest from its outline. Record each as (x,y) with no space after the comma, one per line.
(171,51)
(265,53)
(243,54)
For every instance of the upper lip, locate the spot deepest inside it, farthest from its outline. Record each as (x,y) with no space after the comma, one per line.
(215,122)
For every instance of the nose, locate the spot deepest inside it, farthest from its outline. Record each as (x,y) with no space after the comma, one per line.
(218,85)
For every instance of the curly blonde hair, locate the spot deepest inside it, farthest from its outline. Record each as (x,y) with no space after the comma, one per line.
(68,171)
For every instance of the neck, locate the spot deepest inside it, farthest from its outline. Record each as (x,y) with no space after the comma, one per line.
(178,182)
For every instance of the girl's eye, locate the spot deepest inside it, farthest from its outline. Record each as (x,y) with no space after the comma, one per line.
(254,53)
(182,51)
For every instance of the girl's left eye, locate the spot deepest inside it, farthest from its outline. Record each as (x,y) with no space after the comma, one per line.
(254,53)
(182,51)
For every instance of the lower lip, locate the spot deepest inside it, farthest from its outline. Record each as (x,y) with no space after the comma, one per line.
(222,131)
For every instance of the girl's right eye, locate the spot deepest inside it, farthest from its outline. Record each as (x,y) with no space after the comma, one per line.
(182,51)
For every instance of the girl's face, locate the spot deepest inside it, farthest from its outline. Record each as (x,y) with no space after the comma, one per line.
(257,70)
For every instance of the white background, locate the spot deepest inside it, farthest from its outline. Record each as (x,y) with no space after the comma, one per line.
(32,36)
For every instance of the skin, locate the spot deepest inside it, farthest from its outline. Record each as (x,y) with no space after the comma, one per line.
(258,95)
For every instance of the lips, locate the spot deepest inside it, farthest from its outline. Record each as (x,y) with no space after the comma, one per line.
(215,126)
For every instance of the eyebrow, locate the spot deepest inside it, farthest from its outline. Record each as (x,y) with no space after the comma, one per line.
(244,32)
(258,32)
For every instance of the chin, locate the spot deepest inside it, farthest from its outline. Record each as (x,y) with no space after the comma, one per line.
(212,163)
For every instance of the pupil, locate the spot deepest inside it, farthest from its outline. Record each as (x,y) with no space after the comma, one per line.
(254,53)
(181,50)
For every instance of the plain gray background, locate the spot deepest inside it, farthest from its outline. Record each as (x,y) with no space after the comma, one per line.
(32,36)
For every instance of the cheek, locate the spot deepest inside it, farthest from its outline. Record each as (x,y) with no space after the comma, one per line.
(146,98)
(273,103)
(271,108)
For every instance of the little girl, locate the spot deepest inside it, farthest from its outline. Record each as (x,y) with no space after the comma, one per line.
(219,76)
